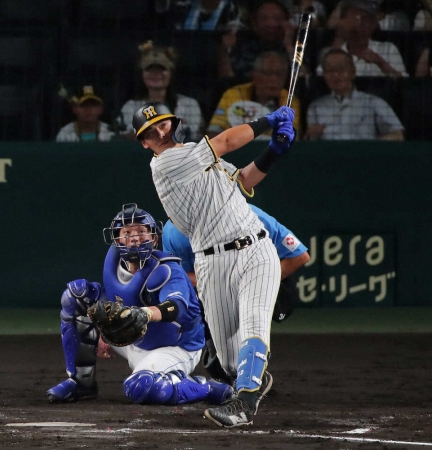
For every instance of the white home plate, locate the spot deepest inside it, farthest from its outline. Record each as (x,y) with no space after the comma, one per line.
(50,424)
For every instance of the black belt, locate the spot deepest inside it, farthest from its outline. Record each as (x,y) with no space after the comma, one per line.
(238,243)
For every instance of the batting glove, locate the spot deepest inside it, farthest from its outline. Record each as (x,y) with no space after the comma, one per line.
(283,114)
(278,145)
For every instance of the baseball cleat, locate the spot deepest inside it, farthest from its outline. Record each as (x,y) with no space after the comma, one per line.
(70,391)
(232,413)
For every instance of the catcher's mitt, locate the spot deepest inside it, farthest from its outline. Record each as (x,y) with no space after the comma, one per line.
(119,325)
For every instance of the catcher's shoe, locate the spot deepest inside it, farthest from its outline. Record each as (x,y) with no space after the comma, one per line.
(219,392)
(71,391)
(232,413)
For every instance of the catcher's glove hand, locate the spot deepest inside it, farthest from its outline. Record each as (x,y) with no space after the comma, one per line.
(119,325)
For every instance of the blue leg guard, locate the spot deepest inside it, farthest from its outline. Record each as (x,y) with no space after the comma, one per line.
(252,364)
(174,388)
(79,340)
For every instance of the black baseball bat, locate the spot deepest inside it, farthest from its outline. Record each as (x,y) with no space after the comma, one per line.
(302,33)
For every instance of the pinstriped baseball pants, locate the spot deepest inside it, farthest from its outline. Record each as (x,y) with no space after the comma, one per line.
(238,289)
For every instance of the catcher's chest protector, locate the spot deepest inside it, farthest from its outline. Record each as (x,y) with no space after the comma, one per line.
(152,277)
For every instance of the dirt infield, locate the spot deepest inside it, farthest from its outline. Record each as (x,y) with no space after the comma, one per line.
(346,391)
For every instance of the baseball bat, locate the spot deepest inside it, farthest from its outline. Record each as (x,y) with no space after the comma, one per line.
(299,49)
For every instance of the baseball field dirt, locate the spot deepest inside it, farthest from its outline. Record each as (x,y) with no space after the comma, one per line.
(331,391)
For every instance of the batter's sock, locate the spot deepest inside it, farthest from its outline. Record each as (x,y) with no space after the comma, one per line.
(250,398)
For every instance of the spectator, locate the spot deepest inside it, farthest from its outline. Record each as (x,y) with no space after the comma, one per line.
(423,20)
(88,109)
(207,15)
(270,29)
(157,65)
(248,101)
(357,21)
(313,7)
(347,113)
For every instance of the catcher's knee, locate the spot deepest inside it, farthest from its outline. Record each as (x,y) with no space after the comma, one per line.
(252,364)
(147,387)
(78,296)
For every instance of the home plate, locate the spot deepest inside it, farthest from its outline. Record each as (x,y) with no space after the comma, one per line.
(50,424)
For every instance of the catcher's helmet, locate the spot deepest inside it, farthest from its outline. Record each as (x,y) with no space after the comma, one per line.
(154,112)
(130,214)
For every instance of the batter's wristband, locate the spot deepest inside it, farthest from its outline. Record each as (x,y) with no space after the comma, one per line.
(266,160)
(259,126)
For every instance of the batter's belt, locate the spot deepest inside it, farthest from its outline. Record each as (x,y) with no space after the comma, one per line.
(239,243)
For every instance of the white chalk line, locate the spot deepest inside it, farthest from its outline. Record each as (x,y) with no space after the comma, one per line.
(291,433)
(50,424)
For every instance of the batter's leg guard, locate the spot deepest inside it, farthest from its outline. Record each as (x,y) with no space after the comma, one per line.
(253,382)
(174,388)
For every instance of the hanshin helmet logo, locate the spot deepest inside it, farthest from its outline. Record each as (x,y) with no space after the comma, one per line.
(149,112)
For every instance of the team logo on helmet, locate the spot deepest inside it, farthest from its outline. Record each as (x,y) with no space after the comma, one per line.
(149,112)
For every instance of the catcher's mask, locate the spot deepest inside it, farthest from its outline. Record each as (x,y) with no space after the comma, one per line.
(131,214)
(154,112)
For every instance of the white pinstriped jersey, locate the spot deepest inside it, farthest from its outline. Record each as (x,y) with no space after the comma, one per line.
(200,195)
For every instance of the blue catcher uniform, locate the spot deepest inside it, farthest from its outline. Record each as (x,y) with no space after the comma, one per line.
(164,358)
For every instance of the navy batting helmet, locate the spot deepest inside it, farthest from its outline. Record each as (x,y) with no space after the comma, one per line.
(131,214)
(154,112)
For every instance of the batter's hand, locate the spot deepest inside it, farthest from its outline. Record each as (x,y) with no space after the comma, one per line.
(285,129)
(283,114)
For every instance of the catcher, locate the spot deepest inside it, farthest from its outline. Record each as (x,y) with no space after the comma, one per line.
(147,311)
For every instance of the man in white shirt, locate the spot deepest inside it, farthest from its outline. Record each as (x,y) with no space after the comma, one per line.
(346,113)
(359,19)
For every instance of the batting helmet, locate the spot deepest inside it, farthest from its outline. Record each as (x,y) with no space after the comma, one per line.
(131,214)
(154,112)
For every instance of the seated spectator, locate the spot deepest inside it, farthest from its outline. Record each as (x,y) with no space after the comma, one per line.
(270,29)
(157,66)
(265,93)
(207,15)
(347,113)
(315,8)
(423,20)
(88,109)
(358,19)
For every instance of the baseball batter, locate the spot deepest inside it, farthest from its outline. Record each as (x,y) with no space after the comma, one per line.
(138,276)
(236,264)
(292,254)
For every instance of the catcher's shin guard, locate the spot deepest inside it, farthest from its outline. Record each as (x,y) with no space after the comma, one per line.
(80,340)
(173,388)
